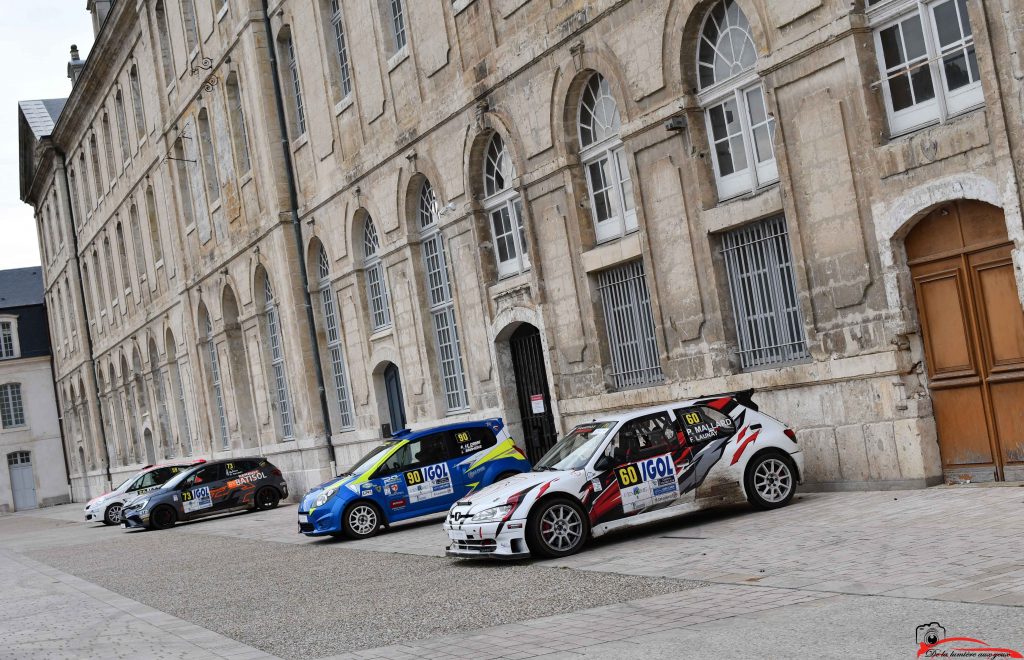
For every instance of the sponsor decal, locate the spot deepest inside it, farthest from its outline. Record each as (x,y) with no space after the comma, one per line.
(398,504)
(247,478)
(391,489)
(467,445)
(196,499)
(428,482)
(392,479)
(647,483)
(934,642)
(596,483)
(367,490)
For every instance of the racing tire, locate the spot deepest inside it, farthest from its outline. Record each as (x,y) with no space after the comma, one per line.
(557,527)
(770,480)
(266,499)
(112,516)
(361,520)
(162,517)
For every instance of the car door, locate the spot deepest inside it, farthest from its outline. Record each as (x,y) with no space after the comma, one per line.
(644,455)
(416,479)
(238,492)
(706,432)
(467,446)
(201,494)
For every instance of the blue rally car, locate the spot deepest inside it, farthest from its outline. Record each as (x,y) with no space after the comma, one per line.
(416,473)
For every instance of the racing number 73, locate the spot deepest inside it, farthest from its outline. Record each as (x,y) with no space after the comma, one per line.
(186,496)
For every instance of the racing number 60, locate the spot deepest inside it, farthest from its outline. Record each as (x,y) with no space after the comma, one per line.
(628,475)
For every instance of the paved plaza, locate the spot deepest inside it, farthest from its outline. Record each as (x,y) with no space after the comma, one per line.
(834,575)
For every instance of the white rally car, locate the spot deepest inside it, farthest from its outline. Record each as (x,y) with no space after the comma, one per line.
(107,507)
(631,468)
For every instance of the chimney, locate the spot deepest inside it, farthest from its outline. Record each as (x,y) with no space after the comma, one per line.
(75,66)
(99,9)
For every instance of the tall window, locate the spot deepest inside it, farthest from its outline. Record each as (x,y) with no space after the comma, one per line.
(154,226)
(122,257)
(89,301)
(111,275)
(276,350)
(604,159)
(218,389)
(769,327)
(108,148)
(209,158)
(188,15)
(397,14)
(738,123)
(12,412)
(298,108)
(97,173)
(137,106)
(236,114)
(184,184)
(181,408)
(340,49)
(928,62)
(7,340)
(89,201)
(335,342)
(376,283)
(629,323)
(122,126)
(441,304)
(76,204)
(97,273)
(137,247)
(163,33)
(161,398)
(504,210)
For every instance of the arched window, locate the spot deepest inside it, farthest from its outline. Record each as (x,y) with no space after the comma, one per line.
(504,208)
(604,159)
(741,130)
(97,173)
(208,156)
(441,303)
(122,257)
(215,380)
(76,204)
(376,282)
(335,342)
(163,33)
(89,201)
(275,347)
(137,106)
(154,226)
(175,366)
(236,114)
(137,247)
(122,126)
(111,275)
(298,108)
(188,16)
(108,148)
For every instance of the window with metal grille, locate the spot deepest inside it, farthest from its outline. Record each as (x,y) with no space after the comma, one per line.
(769,326)
(280,393)
(442,305)
(12,411)
(398,23)
(6,339)
(19,457)
(376,284)
(299,124)
(218,390)
(629,323)
(335,345)
(341,49)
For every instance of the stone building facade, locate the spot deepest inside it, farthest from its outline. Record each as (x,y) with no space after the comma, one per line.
(294,227)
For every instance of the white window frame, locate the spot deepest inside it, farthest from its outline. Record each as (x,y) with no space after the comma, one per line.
(945,104)
(341,50)
(12,407)
(334,334)
(629,326)
(441,304)
(611,152)
(298,105)
(377,296)
(10,343)
(504,203)
(218,388)
(275,347)
(397,23)
(184,430)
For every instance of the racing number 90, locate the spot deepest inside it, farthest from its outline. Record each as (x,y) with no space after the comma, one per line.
(414,477)
(462,437)
(628,475)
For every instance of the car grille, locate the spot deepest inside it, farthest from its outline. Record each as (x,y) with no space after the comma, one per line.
(475,545)
(305,527)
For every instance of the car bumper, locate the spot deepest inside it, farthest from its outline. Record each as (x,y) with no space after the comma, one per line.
(798,459)
(490,540)
(321,522)
(135,519)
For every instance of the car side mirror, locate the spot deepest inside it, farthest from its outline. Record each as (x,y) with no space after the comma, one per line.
(606,462)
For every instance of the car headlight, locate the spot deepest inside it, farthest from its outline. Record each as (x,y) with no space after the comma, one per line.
(326,495)
(140,504)
(494,514)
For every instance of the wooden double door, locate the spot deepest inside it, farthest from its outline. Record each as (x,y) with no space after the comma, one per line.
(972,325)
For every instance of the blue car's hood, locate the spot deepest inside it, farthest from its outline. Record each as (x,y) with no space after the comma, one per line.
(310,498)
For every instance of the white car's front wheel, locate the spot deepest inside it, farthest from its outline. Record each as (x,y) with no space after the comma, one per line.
(770,480)
(557,527)
(112,516)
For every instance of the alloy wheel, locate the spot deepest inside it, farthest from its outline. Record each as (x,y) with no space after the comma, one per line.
(114,513)
(561,528)
(773,480)
(362,519)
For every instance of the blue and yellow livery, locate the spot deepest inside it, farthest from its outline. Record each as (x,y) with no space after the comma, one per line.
(414,474)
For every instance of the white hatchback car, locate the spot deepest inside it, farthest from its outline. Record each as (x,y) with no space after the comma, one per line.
(628,469)
(107,507)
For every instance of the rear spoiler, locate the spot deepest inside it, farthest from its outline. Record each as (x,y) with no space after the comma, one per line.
(745,397)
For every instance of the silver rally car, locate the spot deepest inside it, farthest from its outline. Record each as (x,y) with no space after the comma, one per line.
(628,469)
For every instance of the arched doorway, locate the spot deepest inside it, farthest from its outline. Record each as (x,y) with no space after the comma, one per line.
(147,439)
(396,404)
(972,326)
(532,391)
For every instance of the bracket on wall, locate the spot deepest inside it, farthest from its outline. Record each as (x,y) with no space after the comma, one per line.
(205,64)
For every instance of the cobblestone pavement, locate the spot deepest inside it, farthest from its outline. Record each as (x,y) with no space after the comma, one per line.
(833,575)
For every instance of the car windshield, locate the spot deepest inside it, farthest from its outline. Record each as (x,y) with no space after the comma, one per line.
(128,481)
(178,478)
(575,450)
(370,459)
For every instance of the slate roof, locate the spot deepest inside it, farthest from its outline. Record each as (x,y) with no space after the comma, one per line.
(42,114)
(21,287)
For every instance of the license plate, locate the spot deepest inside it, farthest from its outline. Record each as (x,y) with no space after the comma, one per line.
(124,525)
(456,535)
(303,518)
